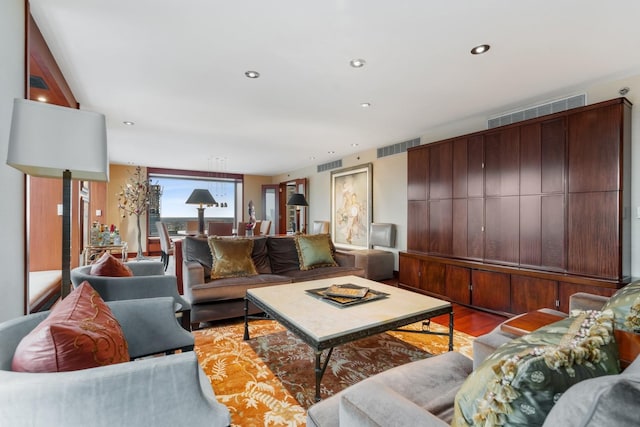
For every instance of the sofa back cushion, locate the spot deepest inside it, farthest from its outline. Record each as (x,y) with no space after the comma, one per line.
(520,382)
(231,257)
(283,254)
(196,249)
(110,266)
(80,332)
(260,255)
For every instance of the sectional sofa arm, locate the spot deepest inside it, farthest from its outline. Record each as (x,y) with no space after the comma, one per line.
(150,326)
(163,391)
(192,275)
(373,404)
(586,301)
(345,259)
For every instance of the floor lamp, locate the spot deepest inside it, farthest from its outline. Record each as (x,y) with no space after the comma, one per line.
(59,142)
(297,200)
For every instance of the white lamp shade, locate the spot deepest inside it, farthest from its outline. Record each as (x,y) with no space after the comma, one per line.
(47,139)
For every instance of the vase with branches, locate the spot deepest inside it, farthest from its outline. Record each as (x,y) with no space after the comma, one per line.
(133,199)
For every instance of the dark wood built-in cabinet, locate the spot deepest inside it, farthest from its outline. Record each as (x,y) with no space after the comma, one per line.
(519,217)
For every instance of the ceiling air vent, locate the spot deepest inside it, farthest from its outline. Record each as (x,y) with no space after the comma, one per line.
(331,165)
(539,110)
(37,82)
(398,148)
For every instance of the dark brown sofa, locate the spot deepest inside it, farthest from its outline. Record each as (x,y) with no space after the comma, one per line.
(276,260)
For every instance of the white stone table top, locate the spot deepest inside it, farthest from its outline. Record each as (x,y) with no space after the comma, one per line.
(322,321)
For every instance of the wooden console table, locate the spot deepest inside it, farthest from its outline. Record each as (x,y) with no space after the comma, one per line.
(628,342)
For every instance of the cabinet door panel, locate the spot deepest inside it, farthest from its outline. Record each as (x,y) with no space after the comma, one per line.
(491,290)
(417,174)
(502,229)
(434,280)
(440,227)
(458,280)
(552,151)
(409,273)
(594,244)
(459,231)
(502,163)
(594,149)
(530,233)
(475,170)
(530,293)
(552,213)
(475,228)
(460,167)
(565,290)
(530,159)
(417,226)
(441,171)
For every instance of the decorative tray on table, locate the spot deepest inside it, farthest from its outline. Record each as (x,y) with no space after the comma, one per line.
(347,294)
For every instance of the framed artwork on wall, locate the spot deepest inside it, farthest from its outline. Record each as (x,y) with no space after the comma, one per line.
(351,206)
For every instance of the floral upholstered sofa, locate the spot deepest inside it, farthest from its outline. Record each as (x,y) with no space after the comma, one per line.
(567,373)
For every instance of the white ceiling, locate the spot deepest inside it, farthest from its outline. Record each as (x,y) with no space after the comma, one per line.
(176,68)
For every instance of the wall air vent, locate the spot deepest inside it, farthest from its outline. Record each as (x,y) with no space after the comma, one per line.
(398,148)
(538,110)
(37,82)
(331,165)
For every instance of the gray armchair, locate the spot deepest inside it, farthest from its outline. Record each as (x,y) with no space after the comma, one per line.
(157,391)
(148,281)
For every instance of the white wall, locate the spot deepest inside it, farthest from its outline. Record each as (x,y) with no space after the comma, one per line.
(12,76)
(390,173)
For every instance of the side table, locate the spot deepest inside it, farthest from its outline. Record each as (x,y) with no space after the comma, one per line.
(92,252)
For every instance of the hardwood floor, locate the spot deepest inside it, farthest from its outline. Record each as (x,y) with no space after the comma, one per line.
(465,319)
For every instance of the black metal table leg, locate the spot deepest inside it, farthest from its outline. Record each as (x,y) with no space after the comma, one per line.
(320,369)
(246,320)
(451,331)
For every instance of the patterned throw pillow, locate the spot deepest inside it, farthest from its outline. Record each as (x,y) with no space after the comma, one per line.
(521,381)
(231,257)
(110,266)
(79,333)
(315,250)
(625,304)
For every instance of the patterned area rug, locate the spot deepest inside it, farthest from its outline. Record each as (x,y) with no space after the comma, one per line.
(270,379)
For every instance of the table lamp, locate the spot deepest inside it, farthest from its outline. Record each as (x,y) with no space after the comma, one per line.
(201,197)
(297,200)
(59,142)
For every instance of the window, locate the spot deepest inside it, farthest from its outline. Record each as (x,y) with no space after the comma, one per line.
(169,193)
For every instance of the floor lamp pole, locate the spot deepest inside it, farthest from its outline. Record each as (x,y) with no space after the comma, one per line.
(66,234)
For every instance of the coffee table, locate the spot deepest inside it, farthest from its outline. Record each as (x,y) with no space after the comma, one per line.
(323,325)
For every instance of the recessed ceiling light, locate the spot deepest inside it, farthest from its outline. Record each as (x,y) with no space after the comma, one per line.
(128,123)
(331,152)
(355,144)
(252,74)
(357,63)
(365,104)
(478,50)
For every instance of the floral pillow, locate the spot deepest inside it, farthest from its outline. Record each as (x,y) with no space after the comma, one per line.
(625,304)
(521,381)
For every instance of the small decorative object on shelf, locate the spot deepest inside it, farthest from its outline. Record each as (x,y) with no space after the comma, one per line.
(252,219)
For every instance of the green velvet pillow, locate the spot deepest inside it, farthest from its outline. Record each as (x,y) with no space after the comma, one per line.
(315,251)
(231,257)
(625,304)
(521,381)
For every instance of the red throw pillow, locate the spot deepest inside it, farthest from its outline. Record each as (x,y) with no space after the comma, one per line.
(110,266)
(80,332)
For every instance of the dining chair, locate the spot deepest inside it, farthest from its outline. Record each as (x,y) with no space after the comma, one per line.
(166,244)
